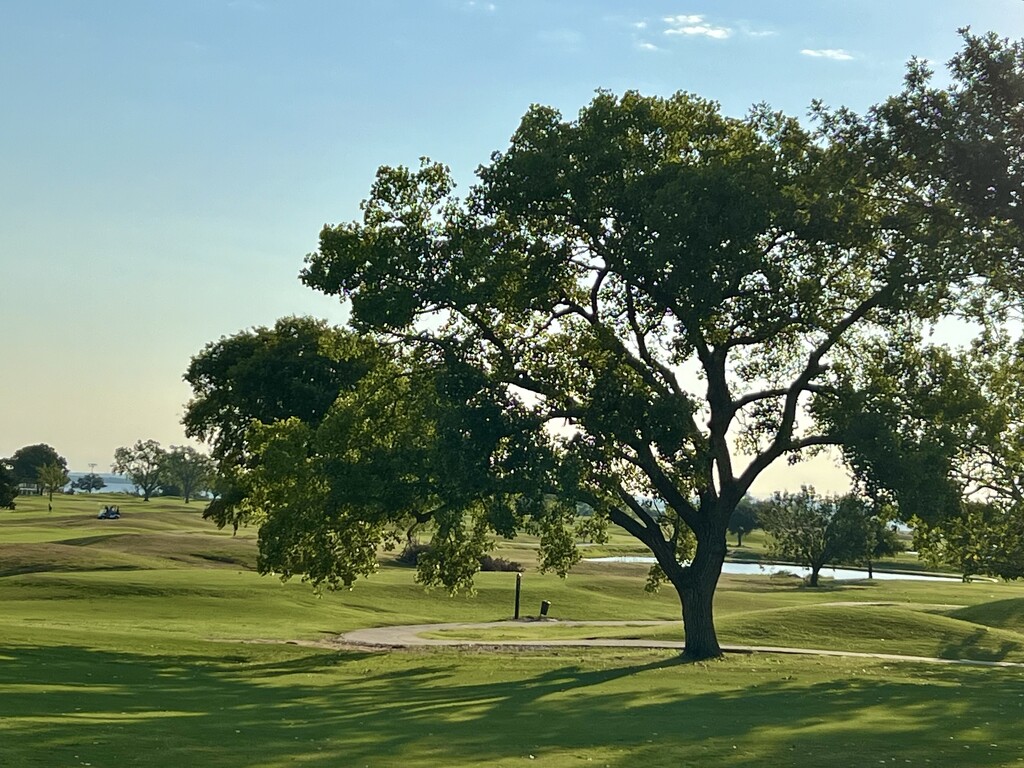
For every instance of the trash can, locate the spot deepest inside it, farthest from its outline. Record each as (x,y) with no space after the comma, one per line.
(544,605)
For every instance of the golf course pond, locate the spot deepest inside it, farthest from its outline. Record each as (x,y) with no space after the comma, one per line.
(769,569)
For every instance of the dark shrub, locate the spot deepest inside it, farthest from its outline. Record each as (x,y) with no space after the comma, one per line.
(411,555)
(488,563)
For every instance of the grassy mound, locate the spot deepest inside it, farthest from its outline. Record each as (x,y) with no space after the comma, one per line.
(58,557)
(875,629)
(1006,614)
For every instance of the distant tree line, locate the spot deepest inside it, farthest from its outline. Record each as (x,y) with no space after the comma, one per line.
(177,471)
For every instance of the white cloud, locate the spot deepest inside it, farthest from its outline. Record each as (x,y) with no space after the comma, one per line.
(836,54)
(639,25)
(694,25)
(645,46)
(478,6)
(683,19)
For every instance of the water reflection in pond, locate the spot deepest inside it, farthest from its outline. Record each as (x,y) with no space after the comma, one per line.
(767,569)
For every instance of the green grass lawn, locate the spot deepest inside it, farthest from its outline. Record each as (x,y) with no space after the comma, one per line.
(151,641)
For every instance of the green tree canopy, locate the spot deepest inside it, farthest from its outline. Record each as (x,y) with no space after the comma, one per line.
(600,261)
(986,537)
(52,477)
(142,464)
(294,370)
(412,444)
(815,531)
(985,533)
(26,462)
(89,482)
(188,469)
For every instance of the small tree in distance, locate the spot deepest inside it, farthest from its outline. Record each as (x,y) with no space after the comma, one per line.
(187,468)
(142,464)
(744,518)
(815,531)
(52,477)
(89,483)
(880,540)
(8,486)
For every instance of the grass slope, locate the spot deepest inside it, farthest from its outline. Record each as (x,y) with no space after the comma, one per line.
(150,641)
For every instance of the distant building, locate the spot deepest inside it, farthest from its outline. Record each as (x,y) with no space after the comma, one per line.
(30,489)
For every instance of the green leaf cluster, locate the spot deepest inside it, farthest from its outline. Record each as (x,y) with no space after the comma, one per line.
(416,445)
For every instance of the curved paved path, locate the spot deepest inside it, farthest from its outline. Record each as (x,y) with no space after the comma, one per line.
(411,635)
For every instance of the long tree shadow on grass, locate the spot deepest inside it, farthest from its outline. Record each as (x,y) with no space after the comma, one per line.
(973,646)
(275,705)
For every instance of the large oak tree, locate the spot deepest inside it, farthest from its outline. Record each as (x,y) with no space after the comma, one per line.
(662,301)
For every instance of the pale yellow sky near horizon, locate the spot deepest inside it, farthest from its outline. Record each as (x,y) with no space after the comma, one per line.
(124,427)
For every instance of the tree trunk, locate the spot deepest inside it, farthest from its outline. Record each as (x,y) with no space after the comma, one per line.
(696,587)
(871,570)
(814,575)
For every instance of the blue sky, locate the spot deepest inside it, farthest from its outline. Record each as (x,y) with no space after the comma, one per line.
(167,165)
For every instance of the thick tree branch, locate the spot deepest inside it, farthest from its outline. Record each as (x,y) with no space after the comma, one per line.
(665,487)
(664,550)
(769,394)
(783,442)
(640,338)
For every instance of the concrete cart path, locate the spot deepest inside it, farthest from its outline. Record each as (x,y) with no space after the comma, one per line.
(409,636)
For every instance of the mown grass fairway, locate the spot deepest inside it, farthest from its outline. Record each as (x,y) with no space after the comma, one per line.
(150,641)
